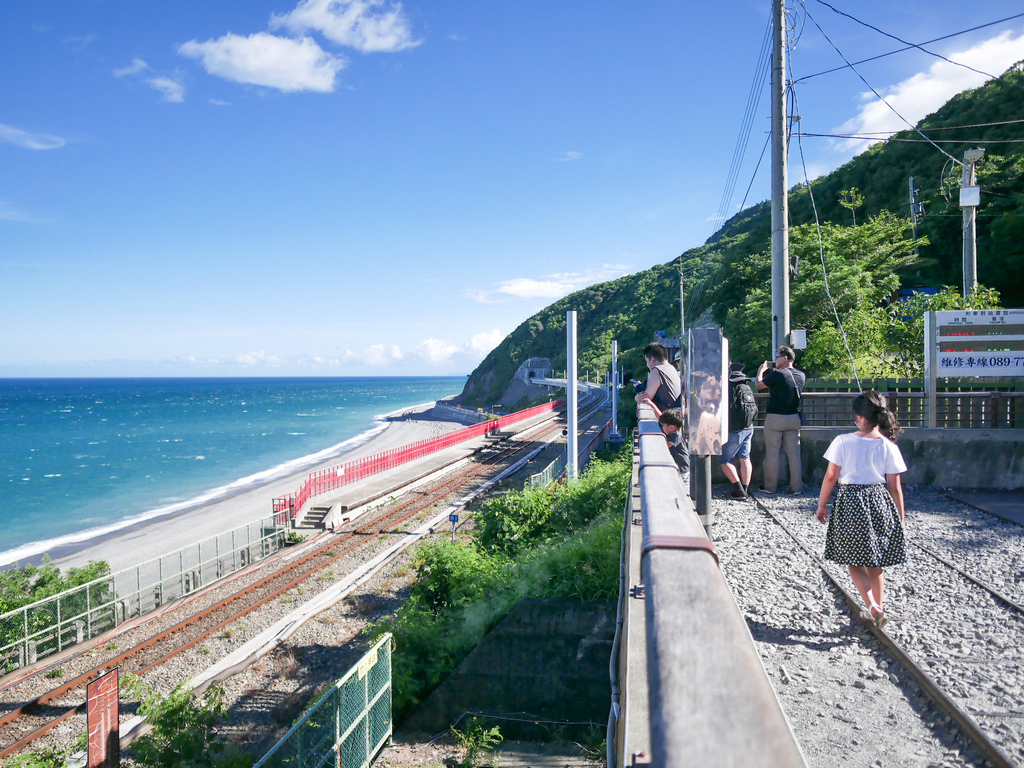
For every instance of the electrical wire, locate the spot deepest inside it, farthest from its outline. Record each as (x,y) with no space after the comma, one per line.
(872,88)
(821,253)
(761,72)
(911,47)
(915,45)
(879,137)
(750,111)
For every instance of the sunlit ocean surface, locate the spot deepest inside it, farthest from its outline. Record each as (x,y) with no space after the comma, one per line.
(80,457)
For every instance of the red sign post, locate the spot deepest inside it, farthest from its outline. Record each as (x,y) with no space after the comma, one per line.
(102,718)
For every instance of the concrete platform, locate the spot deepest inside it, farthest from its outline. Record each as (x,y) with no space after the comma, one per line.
(1007,505)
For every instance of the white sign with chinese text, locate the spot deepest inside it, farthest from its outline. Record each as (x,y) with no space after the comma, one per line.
(982,342)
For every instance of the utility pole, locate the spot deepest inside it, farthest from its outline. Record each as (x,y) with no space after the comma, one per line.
(780,185)
(970,199)
(571,399)
(915,210)
(615,387)
(682,322)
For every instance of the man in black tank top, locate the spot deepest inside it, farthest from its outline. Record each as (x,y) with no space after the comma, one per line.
(664,391)
(782,421)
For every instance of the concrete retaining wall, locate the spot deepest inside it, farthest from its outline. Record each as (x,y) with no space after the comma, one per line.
(547,660)
(458,414)
(946,458)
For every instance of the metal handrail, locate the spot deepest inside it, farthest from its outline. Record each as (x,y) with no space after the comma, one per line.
(48,626)
(711,702)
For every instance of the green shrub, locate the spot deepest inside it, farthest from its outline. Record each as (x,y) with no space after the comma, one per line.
(183,729)
(523,518)
(465,588)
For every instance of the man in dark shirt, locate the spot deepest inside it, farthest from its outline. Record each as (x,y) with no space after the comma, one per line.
(782,421)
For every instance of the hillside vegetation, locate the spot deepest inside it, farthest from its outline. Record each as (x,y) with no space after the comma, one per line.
(866,245)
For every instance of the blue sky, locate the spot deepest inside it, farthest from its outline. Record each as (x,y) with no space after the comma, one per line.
(346,187)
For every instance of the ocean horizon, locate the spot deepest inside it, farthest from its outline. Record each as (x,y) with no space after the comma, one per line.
(82,458)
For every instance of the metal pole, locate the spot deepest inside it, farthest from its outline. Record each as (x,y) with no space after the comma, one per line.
(615,387)
(571,398)
(780,185)
(969,200)
(930,369)
(704,511)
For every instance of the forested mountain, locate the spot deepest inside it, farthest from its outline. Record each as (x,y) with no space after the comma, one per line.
(866,245)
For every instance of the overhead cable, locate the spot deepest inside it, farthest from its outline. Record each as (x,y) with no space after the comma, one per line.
(872,89)
(915,45)
(910,46)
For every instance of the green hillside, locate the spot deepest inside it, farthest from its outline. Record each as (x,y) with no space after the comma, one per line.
(867,248)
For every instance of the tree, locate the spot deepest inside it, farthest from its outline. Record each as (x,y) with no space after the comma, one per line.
(851,199)
(861,265)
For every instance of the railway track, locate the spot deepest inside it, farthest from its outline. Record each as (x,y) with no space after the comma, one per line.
(39,702)
(969,667)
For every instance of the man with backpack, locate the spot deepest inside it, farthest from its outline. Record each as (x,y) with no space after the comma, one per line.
(742,411)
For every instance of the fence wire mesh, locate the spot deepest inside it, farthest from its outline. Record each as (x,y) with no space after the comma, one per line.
(48,626)
(347,726)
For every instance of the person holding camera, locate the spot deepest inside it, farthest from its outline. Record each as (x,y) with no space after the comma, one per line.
(782,421)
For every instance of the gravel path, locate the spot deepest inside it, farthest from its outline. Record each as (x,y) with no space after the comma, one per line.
(846,698)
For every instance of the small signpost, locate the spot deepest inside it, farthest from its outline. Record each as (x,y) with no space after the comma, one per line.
(102,720)
(453,518)
(971,342)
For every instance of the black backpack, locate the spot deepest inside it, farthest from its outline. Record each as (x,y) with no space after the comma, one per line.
(742,406)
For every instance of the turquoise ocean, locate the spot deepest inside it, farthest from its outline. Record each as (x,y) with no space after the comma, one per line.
(86,457)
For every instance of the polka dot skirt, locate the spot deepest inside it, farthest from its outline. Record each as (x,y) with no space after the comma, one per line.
(864,528)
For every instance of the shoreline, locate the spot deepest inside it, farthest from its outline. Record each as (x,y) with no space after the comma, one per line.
(145,539)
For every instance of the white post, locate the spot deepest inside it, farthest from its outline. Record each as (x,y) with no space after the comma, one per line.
(780,186)
(571,399)
(931,364)
(615,387)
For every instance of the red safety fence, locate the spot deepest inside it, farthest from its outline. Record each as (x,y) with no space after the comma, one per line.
(321,481)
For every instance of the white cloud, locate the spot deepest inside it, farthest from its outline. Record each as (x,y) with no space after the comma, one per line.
(172,90)
(267,60)
(922,94)
(26,140)
(528,288)
(485,342)
(435,351)
(378,355)
(568,156)
(260,358)
(548,286)
(366,25)
(137,66)
(7,213)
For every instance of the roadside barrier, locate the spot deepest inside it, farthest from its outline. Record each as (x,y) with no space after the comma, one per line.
(689,685)
(348,725)
(324,480)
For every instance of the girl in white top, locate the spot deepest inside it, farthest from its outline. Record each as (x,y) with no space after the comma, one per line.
(865,527)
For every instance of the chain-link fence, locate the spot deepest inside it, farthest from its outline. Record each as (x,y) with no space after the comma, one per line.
(348,725)
(38,630)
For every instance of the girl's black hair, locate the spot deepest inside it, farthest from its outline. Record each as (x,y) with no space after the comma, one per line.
(872,406)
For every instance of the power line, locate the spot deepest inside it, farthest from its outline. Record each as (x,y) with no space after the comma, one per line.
(881,137)
(821,249)
(872,88)
(910,47)
(914,45)
(753,101)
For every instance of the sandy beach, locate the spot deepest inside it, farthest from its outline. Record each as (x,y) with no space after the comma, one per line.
(158,536)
